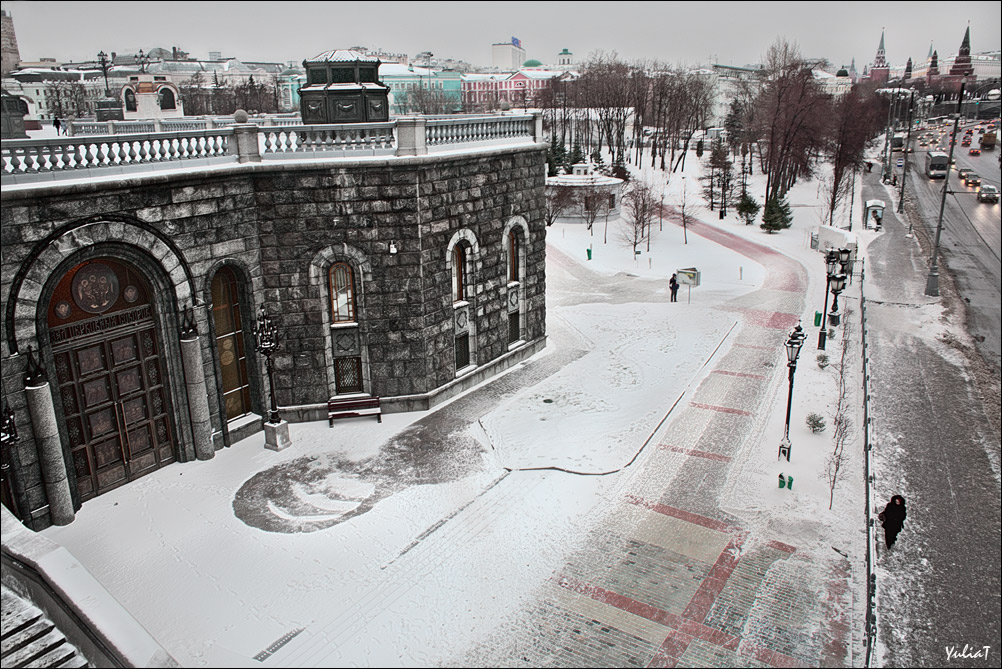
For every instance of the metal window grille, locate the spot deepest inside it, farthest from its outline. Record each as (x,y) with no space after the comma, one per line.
(462,351)
(348,375)
(514,332)
(342,293)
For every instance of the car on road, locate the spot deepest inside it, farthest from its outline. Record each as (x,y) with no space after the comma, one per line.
(975,151)
(988,194)
(963,172)
(972,179)
(966,141)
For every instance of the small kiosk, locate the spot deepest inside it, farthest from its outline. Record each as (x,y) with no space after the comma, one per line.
(343,86)
(873,214)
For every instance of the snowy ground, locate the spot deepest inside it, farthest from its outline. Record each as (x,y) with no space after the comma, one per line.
(433,566)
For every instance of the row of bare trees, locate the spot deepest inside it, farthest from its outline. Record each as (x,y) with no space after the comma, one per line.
(203,95)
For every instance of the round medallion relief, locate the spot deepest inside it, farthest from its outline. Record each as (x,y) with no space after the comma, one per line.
(95,288)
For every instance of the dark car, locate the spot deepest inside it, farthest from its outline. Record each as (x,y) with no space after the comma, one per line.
(972,179)
(975,151)
(966,141)
(988,194)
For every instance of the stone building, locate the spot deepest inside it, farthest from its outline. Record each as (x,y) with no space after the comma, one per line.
(410,273)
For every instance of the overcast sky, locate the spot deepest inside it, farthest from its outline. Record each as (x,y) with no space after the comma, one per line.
(731,33)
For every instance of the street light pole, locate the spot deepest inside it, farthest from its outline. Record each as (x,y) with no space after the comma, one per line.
(793,345)
(838,283)
(831,260)
(266,338)
(102,58)
(908,143)
(932,281)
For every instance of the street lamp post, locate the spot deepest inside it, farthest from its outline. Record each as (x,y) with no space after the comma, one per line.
(266,343)
(102,58)
(793,345)
(932,281)
(831,262)
(838,283)
(908,143)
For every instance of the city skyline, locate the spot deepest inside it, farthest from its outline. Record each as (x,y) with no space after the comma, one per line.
(53,30)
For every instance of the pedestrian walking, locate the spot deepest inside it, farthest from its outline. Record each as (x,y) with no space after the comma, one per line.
(673,286)
(869,166)
(893,518)
(57,124)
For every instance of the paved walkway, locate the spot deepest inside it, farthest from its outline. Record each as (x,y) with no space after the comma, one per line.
(937,445)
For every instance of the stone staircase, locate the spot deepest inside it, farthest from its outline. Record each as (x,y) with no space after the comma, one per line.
(29,639)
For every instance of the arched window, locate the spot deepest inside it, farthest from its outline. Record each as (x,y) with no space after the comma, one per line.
(167,99)
(513,251)
(458,273)
(342,291)
(130,100)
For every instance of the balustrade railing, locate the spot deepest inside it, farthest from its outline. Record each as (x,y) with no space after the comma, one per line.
(40,157)
(439,132)
(302,141)
(168,141)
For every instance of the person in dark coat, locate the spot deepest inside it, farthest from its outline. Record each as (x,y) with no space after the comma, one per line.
(673,285)
(893,518)
(58,125)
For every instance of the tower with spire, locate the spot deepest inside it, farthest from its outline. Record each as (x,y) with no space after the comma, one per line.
(962,65)
(853,74)
(880,72)
(908,71)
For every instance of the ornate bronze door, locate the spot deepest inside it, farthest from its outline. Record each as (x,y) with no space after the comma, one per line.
(109,369)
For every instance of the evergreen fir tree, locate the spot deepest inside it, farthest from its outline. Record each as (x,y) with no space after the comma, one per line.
(577,155)
(777,215)
(748,208)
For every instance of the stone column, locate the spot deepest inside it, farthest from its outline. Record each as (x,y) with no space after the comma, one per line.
(411,137)
(198,398)
(50,452)
(245,141)
(537,132)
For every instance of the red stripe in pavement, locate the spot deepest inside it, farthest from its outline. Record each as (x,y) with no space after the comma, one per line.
(714,407)
(711,586)
(743,375)
(687,516)
(776,320)
(621,602)
(769,656)
(780,546)
(671,650)
(710,635)
(694,452)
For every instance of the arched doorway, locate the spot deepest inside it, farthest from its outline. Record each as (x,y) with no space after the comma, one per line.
(109,365)
(230,344)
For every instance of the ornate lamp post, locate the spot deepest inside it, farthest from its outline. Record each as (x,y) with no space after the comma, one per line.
(838,283)
(102,58)
(142,60)
(831,264)
(266,343)
(793,345)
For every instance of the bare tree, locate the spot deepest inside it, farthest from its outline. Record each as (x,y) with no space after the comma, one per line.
(640,205)
(558,200)
(854,120)
(592,201)
(686,211)
(843,428)
(789,118)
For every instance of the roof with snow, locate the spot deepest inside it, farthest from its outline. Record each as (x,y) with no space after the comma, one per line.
(342,56)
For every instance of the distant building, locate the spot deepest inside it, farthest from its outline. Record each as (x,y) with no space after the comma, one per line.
(422,90)
(9,54)
(880,72)
(565,60)
(507,56)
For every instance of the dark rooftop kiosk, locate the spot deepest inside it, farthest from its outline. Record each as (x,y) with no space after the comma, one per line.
(343,87)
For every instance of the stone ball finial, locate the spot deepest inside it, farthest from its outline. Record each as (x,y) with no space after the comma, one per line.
(240,116)
(505,105)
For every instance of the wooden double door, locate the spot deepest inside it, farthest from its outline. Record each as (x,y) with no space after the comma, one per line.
(110,378)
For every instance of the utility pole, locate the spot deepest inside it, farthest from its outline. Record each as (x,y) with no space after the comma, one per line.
(908,143)
(932,281)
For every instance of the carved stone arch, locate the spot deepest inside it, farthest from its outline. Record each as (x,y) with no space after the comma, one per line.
(166,317)
(515,300)
(67,240)
(520,223)
(320,264)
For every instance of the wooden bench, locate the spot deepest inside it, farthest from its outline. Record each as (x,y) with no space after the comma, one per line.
(351,407)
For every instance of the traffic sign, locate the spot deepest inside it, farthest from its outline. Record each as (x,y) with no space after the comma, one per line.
(901,162)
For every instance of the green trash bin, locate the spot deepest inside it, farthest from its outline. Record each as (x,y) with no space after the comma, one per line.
(817,319)
(589,258)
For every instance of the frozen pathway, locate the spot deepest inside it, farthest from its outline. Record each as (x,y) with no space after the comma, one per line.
(936,446)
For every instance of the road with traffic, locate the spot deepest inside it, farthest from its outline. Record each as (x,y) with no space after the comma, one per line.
(971,237)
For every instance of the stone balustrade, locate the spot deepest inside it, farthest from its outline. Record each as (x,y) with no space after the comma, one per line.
(172,143)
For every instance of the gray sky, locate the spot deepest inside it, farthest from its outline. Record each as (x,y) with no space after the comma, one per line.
(732,33)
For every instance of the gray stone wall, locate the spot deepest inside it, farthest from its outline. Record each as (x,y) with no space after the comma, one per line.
(269,221)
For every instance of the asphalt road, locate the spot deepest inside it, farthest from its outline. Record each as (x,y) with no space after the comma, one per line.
(971,237)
